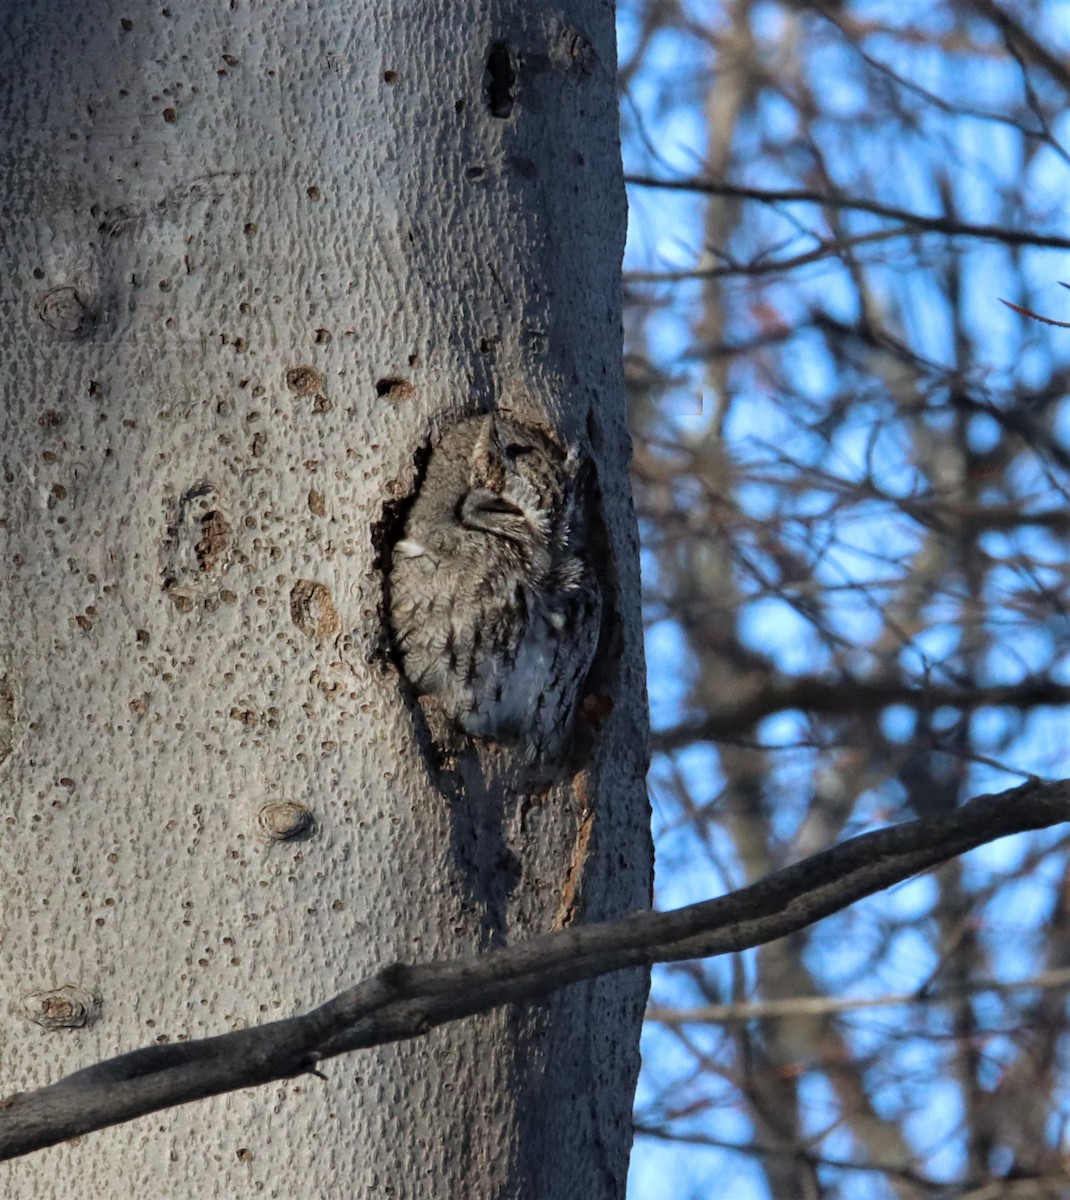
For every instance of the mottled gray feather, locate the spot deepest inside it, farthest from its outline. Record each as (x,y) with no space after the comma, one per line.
(494,608)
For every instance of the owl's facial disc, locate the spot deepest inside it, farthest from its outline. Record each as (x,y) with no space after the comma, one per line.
(490,512)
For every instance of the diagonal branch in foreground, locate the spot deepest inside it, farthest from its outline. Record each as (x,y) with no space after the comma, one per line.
(404,1002)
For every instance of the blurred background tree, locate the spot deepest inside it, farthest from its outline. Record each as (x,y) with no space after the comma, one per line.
(852,464)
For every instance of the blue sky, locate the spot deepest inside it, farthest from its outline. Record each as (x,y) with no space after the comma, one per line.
(984,161)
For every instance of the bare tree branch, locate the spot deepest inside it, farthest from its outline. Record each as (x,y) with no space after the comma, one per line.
(822,1006)
(933,224)
(404,1002)
(1024,1188)
(850,697)
(1020,39)
(1028,312)
(826,248)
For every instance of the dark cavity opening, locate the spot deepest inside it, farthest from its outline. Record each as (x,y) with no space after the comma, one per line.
(501,81)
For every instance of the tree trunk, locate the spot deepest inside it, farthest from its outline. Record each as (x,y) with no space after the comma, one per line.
(255,261)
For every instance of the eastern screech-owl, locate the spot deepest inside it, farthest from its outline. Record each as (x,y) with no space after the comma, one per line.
(494,607)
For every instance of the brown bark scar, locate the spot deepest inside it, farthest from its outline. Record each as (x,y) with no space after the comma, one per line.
(568,908)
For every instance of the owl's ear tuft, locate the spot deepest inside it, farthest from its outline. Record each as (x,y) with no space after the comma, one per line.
(488,465)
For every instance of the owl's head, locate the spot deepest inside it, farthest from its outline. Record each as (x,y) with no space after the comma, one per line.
(520,484)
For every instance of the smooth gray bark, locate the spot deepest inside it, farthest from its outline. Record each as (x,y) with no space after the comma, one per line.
(252,259)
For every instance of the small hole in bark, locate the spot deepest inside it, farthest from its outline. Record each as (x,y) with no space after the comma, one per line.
(394,389)
(305,381)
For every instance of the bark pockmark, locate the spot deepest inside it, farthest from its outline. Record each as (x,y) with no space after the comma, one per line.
(68,313)
(9,717)
(312,609)
(67,1007)
(285,821)
(196,545)
(394,388)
